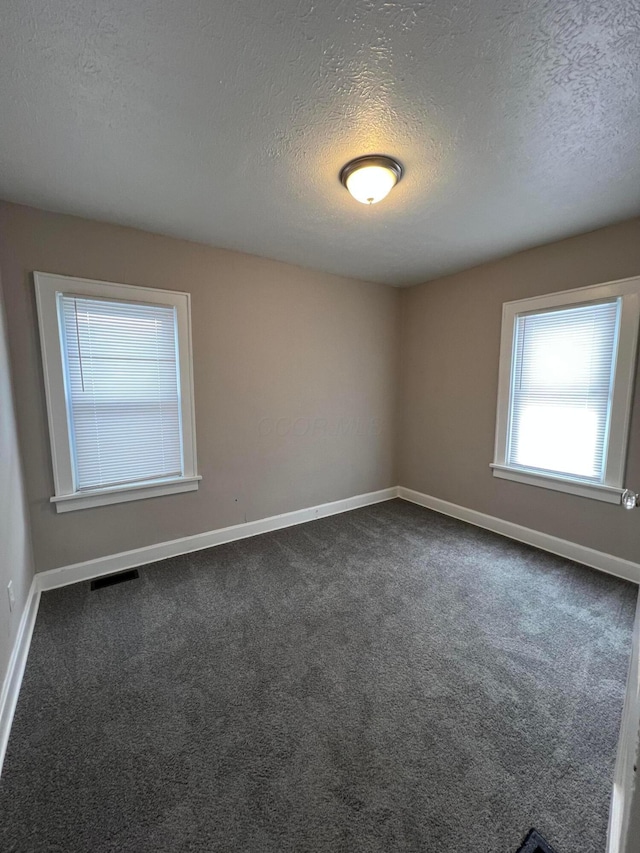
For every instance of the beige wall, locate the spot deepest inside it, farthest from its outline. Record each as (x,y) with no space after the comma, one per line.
(450,332)
(297,376)
(295,382)
(15,547)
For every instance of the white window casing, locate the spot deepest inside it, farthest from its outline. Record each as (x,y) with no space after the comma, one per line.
(567,371)
(118,374)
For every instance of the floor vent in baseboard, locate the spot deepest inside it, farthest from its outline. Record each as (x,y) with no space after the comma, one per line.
(117,577)
(535,843)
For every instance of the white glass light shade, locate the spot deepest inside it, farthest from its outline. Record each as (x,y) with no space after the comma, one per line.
(370,184)
(370,179)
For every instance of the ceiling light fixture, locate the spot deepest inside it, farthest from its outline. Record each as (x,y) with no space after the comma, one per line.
(370,179)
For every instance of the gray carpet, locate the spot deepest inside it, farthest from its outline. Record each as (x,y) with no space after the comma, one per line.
(385,680)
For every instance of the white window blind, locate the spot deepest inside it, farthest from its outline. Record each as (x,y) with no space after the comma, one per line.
(122,390)
(561,390)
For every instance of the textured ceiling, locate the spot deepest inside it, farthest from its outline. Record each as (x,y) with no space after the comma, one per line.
(227,121)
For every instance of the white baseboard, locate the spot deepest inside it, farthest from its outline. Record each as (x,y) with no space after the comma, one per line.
(562,547)
(152,553)
(17,663)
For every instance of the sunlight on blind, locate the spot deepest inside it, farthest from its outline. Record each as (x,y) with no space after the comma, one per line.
(561,390)
(122,390)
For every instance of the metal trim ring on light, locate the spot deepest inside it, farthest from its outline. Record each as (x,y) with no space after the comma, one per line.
(371,160)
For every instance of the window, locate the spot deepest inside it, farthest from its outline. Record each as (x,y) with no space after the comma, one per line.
(567,368)
(118,377)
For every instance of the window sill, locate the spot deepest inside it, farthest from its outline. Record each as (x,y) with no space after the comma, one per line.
(609,494)
(120,494)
